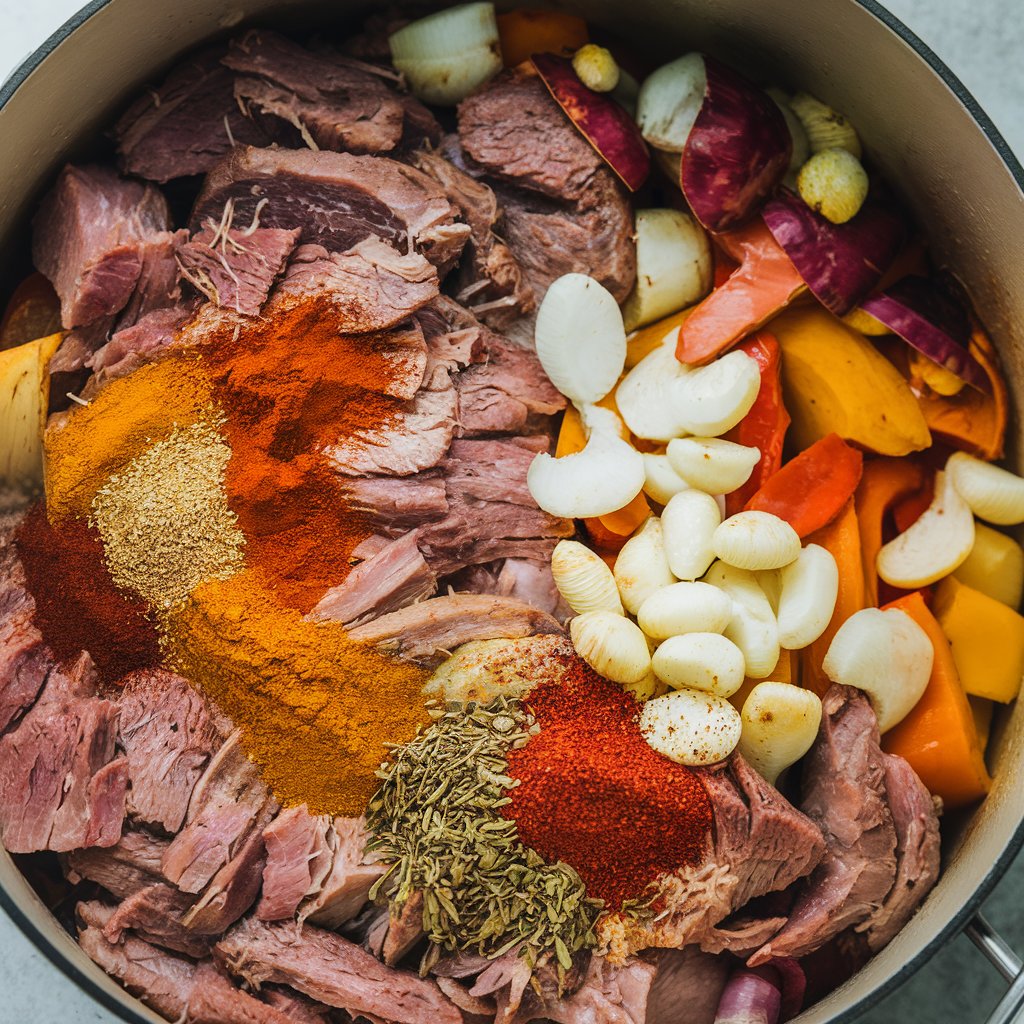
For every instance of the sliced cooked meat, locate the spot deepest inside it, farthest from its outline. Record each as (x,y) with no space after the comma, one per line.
(761,844)
(129,349)
(341,882)
(917,851)
(741,936)
(394,577)
(298,1009)
(396,504)
(296,843)
(337,199)
(157,286)
(161,980)
(132,864)
(370,287)
(686,978)
(168,737)
(526,581)
(332,100)
(187,124)
(234,888)
(236,267)
(215,1000)
(61,785)
(333,971)
(229,803)
(489,274)
(844,792)
(609,994)
(87,239)
(427,632)
(508,392)
(155,915)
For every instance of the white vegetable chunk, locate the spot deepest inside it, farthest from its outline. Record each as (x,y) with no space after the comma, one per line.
(712,464)
(887,655)
(993,493)
(612,645)
(670,100)
(685,608)
(583,579)
(650,397)
(580,339)
(642,566)
(932,547)
(753,627)
(780,723)
(756,540)
(661,481)
(717,396)
(808,591)
(691,727)
(700,661)
(688,525)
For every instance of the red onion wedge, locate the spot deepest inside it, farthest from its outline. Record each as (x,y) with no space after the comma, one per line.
(762,995)
(602,121)
(737,151)
(930,320)
(841,263)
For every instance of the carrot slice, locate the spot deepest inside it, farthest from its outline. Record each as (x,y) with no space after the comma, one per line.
(524,33)
(764,427)
(764,283)
(811,489)
(842,538)
(907,512)
(939,738)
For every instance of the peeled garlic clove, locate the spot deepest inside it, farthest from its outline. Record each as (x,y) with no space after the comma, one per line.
(808,590)
(717,396)
(584,579)
(684,608)
(756,540)
(780,723)
(712,464)
(691,727)
(700,661)
(606,476)
(612,645)
(642,568)
(649,396)
(887,655)
(661,481)
(753,627)
(688,525)
(825,127)
(994,494)
(936,544)
(648,687)
(580,340)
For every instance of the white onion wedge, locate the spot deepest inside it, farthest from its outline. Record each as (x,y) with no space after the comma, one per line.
(994,494)
(688,525)
(717,396)
(780,722)
(650,397)
(642,566)
(711,464)
(580,340)
(700,661)
(446,55)
(691,727)
(887,655)
(661,481)
(669,102)
(753,627)
(808,589)
(935,545)
(673,266)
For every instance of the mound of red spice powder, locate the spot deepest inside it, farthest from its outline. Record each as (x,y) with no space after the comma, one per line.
(78,606)
(594,794)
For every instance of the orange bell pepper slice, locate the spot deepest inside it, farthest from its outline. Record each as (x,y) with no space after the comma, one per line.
(764,283)
(939,738)
(811,489)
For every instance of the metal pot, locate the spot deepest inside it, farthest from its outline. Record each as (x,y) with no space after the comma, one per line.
(919,124)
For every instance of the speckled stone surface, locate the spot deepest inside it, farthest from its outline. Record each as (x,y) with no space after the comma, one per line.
(982,41)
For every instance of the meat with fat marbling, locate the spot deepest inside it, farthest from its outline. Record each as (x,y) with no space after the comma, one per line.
(298,859)
(131,864)
(343,880)
(155,915)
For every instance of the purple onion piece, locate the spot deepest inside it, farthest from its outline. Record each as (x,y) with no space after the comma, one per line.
(750,996)
(737,151)
(840,263)
(929,320)
(794,986)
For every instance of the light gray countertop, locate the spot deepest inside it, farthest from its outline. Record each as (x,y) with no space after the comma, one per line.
(982,41)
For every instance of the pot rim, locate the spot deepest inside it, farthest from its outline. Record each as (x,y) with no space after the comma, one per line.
(970,907)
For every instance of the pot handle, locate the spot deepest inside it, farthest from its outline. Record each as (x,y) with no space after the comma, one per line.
(1007,963)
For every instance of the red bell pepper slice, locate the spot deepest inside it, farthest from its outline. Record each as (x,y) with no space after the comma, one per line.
(811,489)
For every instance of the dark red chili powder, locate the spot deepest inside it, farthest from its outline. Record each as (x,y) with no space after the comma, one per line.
(594,794)
(78,607)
